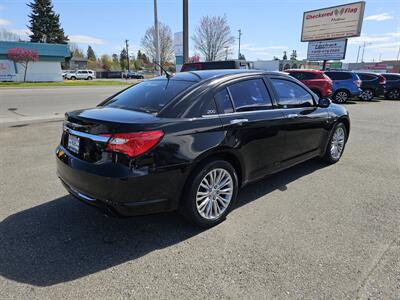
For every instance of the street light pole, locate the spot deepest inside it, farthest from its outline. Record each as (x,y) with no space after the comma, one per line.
(358,52)
(240,34)
(127,52)
(185,31)
(157,35)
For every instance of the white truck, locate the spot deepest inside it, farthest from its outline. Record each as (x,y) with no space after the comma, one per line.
(81,74)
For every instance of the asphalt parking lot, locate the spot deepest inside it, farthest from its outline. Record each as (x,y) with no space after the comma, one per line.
(311,232)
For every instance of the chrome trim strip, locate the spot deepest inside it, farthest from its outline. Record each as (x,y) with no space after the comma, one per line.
(93,137)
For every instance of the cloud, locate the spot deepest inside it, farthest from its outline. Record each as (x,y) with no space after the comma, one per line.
(23,33)
(85,39)
(375,38)
(4,22)
(379,17)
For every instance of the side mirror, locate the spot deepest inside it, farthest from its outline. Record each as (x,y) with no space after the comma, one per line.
(324,102)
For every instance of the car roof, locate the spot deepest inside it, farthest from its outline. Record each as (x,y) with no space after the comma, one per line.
(198,76)
(304,70)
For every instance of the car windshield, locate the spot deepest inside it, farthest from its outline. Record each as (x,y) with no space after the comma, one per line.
(149,96)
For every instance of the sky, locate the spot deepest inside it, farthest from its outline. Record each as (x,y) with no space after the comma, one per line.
(269,27)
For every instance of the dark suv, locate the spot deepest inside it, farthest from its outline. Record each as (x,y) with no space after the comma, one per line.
(345,85)
(392,86)
(372,85)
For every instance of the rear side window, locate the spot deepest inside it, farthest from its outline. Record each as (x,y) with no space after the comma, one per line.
(149,96)
(339,75)
(303,75)
(367,77)
(291,94)
(391,77)
(250,95)
(223,101)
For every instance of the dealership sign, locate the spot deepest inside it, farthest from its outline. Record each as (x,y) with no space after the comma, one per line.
(327,50)
(336,22)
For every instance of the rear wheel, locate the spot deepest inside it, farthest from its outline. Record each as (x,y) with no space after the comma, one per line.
(367,95)
(210,193)
(73,78)
(336,144)
(393,94)
(89,78)
(341,96)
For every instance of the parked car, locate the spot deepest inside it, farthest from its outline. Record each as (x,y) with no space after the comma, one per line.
(345,85)
(392,86)
(133,75)
(216,65)
(64,73)
(372,85)
(316,81)
(81,74)
(191,141)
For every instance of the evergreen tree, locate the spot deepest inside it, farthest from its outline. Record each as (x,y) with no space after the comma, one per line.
(45,23)
(90,53)
(293,56)
(284,55)
(123,59)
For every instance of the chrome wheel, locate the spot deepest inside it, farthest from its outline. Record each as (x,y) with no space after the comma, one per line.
(337,143)
(367,95)
(342,97)
(214,194)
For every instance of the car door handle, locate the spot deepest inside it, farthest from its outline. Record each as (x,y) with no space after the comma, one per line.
(292,116)
(238,121)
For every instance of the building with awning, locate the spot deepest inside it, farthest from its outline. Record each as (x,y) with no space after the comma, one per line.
(47,68)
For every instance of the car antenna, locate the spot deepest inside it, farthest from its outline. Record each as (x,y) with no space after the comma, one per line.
(165,71)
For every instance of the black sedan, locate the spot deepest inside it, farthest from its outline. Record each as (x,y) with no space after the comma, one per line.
(133,75)
(189,142)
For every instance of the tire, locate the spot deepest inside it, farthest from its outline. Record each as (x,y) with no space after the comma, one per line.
(393,94)
(201,204)
(73,78)
(337,142)
(89,78)
(341,96)
(367,95)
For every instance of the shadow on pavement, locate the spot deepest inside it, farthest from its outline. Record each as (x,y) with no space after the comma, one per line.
(63,239)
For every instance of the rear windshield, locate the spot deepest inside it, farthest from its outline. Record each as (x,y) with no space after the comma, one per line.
(149,96)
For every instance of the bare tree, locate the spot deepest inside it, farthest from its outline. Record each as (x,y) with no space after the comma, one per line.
(6,35)
(212,37)
(166,48)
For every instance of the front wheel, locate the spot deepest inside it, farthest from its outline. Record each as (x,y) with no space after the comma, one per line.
(341,96)
(336,144)
(210,193)
(367,95)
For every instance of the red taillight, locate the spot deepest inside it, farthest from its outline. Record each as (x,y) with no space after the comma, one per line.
(357,82)
(382,80)
(133,143)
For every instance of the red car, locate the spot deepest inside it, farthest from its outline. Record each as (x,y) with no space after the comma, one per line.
(315,80)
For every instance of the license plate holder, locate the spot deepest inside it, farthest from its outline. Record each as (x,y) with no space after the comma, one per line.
(73,143)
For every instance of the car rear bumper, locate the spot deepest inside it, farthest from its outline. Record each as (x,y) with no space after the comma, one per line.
(120,191)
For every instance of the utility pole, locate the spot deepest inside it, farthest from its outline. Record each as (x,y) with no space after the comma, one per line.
(127,52)
(398,54)
(185,31)
(157,35)
(364,45)
(358,52)
(240,34)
